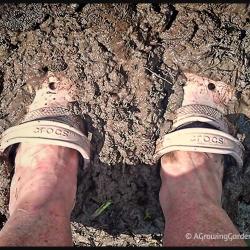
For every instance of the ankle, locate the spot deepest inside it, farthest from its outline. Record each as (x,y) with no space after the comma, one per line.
(179,198)
(53,209)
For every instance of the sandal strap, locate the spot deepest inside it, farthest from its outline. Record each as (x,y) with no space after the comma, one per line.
(202,113)
(200,140)
(46,132)
(53,113)
(46,112)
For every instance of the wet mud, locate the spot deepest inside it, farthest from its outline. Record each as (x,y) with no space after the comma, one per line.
(128,62)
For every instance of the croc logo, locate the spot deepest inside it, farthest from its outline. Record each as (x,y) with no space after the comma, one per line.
(208,139)
(56,131)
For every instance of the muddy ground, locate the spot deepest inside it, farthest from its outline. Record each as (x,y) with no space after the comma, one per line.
(128,61)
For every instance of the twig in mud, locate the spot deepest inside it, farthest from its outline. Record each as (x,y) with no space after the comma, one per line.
(157,75)
(101,209)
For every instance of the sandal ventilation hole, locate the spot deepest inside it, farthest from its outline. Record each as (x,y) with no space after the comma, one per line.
(211,86)
(52,85)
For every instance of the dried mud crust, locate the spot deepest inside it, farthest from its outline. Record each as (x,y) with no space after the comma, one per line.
(127,60)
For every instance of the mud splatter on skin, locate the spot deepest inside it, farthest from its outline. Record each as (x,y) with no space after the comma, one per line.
(107,49)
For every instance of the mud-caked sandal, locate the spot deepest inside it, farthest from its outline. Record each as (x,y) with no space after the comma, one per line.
(50,120)
(200,124)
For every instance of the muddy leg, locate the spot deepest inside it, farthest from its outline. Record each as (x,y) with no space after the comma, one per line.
(42,196)
(190,198)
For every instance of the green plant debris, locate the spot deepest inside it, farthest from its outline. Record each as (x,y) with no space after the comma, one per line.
(101,209)
(147,216)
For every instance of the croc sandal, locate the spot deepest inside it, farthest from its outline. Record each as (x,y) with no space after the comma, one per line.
(200,124)
(50,120)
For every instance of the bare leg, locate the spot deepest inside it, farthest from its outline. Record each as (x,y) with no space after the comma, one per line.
(190,197)
(42,197)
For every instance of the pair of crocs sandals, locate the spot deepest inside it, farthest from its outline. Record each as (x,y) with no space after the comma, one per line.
(200,124)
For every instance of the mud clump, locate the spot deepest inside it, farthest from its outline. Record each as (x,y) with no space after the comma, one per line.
(127,60)
(21,17)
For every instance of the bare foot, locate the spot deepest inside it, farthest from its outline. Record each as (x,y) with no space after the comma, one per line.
(43,188)
(191,189)
(44,175)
